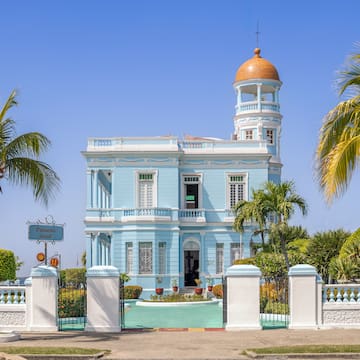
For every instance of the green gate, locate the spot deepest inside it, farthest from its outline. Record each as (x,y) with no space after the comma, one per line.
(71,304)
(274,302)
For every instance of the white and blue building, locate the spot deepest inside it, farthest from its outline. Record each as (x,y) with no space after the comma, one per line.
(161,207)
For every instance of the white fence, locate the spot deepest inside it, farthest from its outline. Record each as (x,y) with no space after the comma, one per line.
(12,308)
(312,305)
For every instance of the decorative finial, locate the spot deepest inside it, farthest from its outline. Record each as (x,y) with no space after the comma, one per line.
(257,52)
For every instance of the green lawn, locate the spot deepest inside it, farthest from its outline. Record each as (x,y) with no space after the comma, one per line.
(27,350)
(301,349)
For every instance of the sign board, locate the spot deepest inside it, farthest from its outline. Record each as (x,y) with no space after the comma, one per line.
(46,232)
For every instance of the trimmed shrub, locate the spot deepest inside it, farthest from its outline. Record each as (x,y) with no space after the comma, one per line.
(274,307)
(132,291)
(218,291)
(7,265)
(71,302)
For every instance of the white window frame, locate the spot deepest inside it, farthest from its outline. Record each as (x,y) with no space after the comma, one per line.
(249,134)
(236,252)
(229,181)
(270,136)
(129,257)
(219,263)
(183,188)
(145,253)
(154,189)
(162,257)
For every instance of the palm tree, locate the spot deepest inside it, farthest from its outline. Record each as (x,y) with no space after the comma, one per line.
(19,155)
(338,149)
(280,200)
(253,211)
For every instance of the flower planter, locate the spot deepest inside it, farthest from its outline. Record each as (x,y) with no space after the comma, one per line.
(210,287)
(175,289)
(198,291)
(159,291)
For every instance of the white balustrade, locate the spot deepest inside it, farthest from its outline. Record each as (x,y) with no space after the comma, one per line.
(341,293)
(12,295)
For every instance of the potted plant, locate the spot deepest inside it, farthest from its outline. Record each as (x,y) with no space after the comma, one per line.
(198,289)
(174,284)
(209,282)
(159,290)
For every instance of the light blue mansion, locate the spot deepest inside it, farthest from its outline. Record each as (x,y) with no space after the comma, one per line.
(160,207)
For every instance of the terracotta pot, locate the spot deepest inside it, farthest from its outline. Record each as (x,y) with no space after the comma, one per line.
(175,288)
(159,291)
(198,291)
(210,287)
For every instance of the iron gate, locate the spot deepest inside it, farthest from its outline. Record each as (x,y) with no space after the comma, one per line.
(71,304)
(274,302)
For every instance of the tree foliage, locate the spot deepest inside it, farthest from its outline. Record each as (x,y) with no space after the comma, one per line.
(338,149)
(7,265)
(346,267)
(73,277)
(19,157)
(323,247)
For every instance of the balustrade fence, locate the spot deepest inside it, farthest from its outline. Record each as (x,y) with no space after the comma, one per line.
(21,307)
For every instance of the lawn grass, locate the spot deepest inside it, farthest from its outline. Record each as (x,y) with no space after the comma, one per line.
(301,349)
(31,350)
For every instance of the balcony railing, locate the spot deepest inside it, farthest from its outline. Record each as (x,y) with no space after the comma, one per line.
(160,214)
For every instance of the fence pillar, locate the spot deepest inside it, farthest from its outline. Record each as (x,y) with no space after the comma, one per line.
(103,300)
(43,299)
(243,297)
(304,297)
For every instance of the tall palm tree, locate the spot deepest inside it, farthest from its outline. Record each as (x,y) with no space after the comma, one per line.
(253,211)
(280,200)
(338,150)
(19,157)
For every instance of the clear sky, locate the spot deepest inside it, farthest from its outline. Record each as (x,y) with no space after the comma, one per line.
(145,68)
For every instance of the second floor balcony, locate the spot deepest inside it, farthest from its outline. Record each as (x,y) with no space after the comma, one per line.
(128,215)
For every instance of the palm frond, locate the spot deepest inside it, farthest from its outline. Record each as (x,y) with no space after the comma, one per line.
(37,174)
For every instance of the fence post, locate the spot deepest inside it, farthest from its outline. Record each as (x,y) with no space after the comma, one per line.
(43,299)
(303,297)
(243,297)
(103,299)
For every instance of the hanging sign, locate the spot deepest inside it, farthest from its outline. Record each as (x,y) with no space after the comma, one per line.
(46,232)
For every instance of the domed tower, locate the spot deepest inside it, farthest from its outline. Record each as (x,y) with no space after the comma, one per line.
(257,111)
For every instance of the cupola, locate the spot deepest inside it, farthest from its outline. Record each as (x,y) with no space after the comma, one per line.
(256,68)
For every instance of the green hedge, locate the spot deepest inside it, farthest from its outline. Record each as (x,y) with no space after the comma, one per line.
(71,302)
(7,265)
(132,291)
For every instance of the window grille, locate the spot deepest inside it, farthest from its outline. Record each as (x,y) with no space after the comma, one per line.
(191,179)
(145,258)
(236,189)
(162,258)
(248,134)
(129,258)
(146,190)
(219,258)
(270,136)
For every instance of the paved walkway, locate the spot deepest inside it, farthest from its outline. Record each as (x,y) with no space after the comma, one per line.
(192,344)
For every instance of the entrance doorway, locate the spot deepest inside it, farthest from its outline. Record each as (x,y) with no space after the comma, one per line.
(191,267)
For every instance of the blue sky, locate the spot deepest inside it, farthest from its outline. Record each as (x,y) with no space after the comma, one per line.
(143,68)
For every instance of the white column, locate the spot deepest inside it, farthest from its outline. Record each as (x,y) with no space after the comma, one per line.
(44,299)
(28,297)
(243,297)
(303,297)
(103,310)
(95,189)
(259,96)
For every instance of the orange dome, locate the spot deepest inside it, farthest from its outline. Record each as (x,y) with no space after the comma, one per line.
(256,68)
